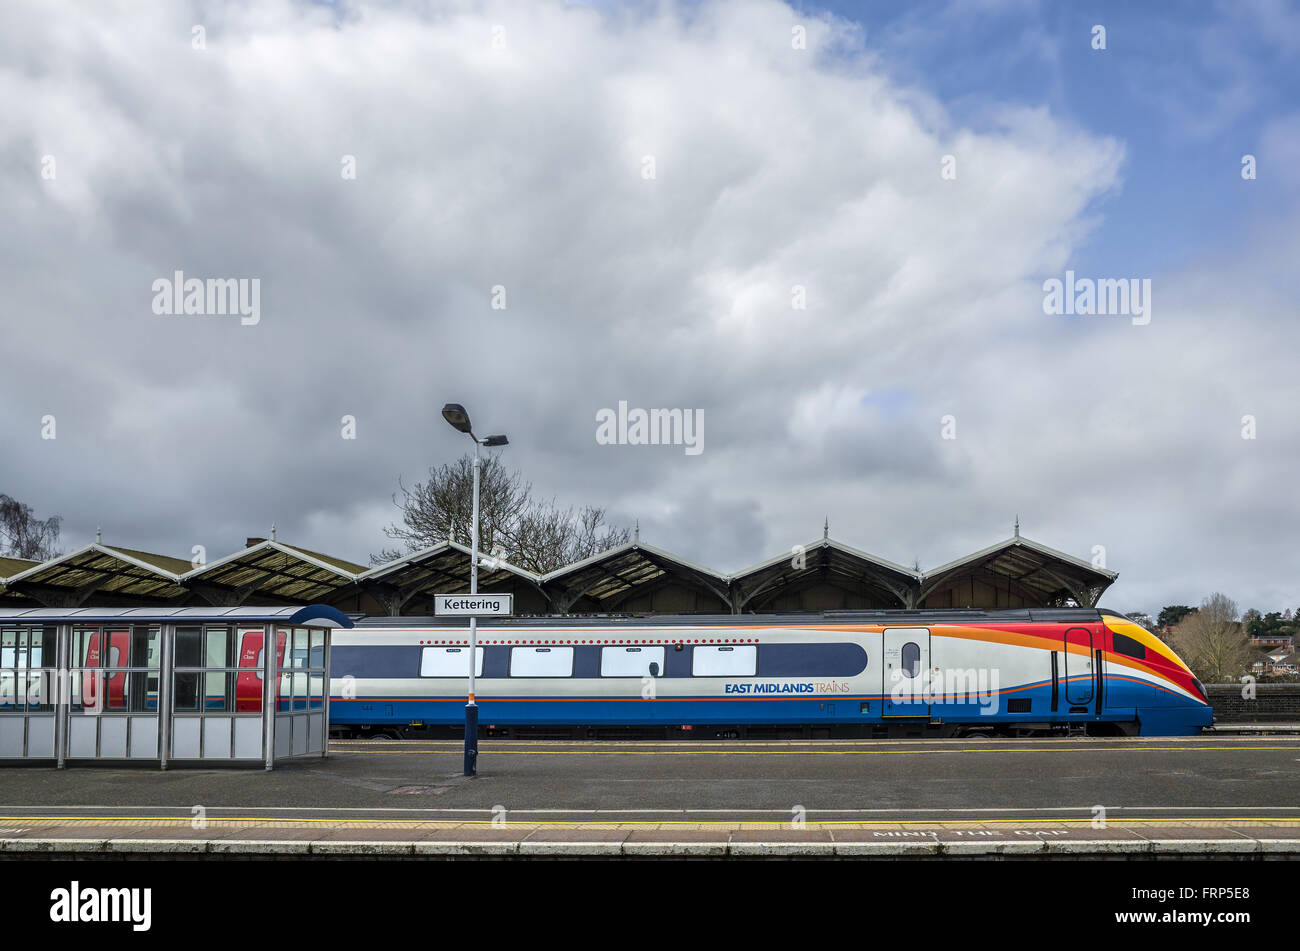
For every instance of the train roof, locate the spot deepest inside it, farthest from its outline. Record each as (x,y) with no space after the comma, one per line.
(939,616)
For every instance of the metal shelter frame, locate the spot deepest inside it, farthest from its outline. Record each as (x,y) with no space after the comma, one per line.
(165,684)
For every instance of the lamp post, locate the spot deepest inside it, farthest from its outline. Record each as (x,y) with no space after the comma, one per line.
(455,414)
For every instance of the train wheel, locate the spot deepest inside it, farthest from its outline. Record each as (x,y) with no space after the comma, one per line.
(978,735)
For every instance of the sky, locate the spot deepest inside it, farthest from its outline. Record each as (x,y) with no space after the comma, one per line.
(823,230)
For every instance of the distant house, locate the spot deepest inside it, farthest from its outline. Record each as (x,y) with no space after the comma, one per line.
(1290,664)
(1277,663)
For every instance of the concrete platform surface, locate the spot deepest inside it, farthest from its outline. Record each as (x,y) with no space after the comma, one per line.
(1212,796)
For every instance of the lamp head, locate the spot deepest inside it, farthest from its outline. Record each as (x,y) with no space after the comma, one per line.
(455,414)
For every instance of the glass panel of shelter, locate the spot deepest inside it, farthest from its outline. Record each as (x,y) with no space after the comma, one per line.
(302,680)
(27,656)
(114,669)
(219,669)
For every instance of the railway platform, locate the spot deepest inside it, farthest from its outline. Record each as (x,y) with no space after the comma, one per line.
(1215,797)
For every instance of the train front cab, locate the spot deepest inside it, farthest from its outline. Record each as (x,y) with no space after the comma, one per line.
(1145,682)
(1103,675)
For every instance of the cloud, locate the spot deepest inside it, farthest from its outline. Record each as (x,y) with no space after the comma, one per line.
(522,165)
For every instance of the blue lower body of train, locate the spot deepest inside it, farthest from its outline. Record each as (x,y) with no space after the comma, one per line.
(1139,710)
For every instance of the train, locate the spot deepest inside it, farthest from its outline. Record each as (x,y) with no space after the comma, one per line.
(1027,672)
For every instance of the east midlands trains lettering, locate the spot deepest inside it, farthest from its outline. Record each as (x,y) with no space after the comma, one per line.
(913,673)
(756,689)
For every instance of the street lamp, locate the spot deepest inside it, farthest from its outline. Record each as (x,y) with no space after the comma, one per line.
(455,414)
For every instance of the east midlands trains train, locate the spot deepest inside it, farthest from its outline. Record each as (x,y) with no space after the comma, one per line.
(888,673)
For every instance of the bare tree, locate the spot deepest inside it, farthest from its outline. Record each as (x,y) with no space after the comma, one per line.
(23,535)
(1213,641)
(1143,620)
(534,534)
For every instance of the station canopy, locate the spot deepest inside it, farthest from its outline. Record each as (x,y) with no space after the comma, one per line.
(1014,573)
(271,571)
(14,566)
(632,578)
(636,577)
(408,584)
(820,576)
(112,575)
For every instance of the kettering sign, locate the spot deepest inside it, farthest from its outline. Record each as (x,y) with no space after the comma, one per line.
(473,605)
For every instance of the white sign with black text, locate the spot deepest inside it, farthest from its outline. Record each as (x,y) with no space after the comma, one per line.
(473,605)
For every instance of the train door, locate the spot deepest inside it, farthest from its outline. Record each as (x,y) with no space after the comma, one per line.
(248,682)
(1079,668)
(905,673)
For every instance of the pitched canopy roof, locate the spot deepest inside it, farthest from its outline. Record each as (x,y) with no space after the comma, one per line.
(609,576)
(97,568)
(13,566)
(1040,574)
(825,560)
(273,569)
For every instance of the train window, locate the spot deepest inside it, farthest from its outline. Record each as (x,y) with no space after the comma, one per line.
(741,661)
(811,660)
(911,658)
(541,661)
(1129,647)
(630,661)
(450,662)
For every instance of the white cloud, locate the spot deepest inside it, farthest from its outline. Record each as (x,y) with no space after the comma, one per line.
(522,167)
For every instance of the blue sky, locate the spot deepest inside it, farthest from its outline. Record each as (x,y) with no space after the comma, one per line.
(1187,87)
